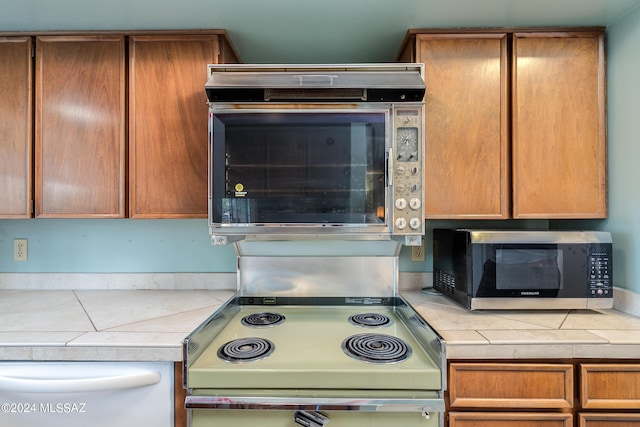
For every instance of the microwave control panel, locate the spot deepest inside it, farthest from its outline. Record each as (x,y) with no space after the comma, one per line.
(406,172)
(599,265)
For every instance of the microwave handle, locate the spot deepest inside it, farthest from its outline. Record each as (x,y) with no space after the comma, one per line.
(390,167)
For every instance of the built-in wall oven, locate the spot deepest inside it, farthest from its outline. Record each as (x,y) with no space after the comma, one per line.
(316,180)
(316,149)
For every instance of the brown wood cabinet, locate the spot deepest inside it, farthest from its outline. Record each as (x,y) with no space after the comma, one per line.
(15,127)
(609,420)
(179,395)
(509,419)
(466,142)
(168,123)
(504,391)
(524,394)
(80,126)
(515,123)
(613,391)
(70,156)
(511,385)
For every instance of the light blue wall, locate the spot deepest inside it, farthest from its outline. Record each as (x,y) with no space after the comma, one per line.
(623,91)
(118,245)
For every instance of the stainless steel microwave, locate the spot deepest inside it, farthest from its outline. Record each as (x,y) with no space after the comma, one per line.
(524,269)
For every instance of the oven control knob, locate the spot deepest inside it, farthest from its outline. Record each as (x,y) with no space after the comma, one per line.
(401,223)
(415,203)
(401,203)
(415,223)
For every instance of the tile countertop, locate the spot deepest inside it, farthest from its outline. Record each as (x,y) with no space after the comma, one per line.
(524,334)
(151,324)
(132,325)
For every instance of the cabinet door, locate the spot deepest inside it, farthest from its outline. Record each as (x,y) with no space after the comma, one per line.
(559,129)
(610,386)
(510,385)
(15,127)
(80,126)
(466,113)
(499,419)
(168,125)
(609,420)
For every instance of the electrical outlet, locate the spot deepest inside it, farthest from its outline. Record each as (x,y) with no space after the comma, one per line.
(20,249)
(417,252)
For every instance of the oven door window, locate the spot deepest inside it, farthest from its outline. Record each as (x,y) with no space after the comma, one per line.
(521,271)
(298,167)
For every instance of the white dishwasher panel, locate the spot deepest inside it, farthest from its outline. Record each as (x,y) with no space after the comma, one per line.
(81,394)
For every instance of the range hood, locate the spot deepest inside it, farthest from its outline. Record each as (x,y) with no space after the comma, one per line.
(315,83)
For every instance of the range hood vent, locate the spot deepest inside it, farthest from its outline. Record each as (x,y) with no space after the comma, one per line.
(315,83)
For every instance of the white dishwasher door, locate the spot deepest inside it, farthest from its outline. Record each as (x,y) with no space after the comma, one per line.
(86,394)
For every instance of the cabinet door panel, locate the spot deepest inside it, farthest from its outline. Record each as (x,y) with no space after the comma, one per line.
(612,386)
(609,420)
(168,126)
(517,385)
(15,127)
(499,419)
(80,126)
(559,129)
(466,133)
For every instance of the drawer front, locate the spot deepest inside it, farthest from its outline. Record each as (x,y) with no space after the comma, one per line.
(609,420)
(610,386)
(516,385)
(504,419)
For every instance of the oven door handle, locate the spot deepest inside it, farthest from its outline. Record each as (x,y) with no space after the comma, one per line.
(390,167)
(315,404)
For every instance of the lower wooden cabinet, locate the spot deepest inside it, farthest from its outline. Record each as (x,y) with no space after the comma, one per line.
(179,394)
(610,386)
(609,420)
(511,385)
(509,419)
(550,394)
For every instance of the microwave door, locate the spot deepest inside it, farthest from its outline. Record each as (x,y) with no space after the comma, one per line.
(520,271)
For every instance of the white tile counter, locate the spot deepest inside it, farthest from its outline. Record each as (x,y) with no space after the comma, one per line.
(151,324)
(101,324)
(506,334)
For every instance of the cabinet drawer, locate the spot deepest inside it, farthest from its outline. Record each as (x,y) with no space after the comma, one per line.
(610,386)
(517,385)
(505,419)
(609,420)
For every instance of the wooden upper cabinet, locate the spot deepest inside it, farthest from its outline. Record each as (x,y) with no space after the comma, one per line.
(15,127)
(559,125)
(515,123)
(466,138)
(168,124)
(80,126)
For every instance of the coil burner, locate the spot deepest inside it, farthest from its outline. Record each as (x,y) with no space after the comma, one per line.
(370,320)
(262,320)
(245,350)
(376,348)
